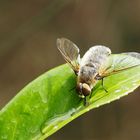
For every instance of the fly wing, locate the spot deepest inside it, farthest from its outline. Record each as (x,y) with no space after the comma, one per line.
(70,52)
(121,62)
(133,54)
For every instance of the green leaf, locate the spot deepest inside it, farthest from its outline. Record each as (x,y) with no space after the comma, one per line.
(50,102)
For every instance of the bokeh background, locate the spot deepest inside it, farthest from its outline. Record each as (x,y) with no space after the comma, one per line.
(28,32)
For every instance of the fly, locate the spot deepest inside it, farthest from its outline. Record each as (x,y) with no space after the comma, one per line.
(96,64)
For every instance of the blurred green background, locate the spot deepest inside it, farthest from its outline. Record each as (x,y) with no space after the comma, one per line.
(28,32)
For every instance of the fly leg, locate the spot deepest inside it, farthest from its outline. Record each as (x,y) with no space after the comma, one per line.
(91,93)
(102,83)
(84,100)
(86,103)
(98,77)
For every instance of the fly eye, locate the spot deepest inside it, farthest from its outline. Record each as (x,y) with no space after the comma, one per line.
(109,52)
(86,89)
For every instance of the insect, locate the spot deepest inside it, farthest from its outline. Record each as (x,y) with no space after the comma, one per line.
(96,64)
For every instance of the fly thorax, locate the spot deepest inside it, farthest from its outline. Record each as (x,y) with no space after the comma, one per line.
(87,73)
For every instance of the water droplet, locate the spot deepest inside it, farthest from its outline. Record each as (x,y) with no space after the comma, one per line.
(97,105)
(108,102)
(117,91)
(126,93)
(118,98)
(56,127)
(72,117)
(87,109)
